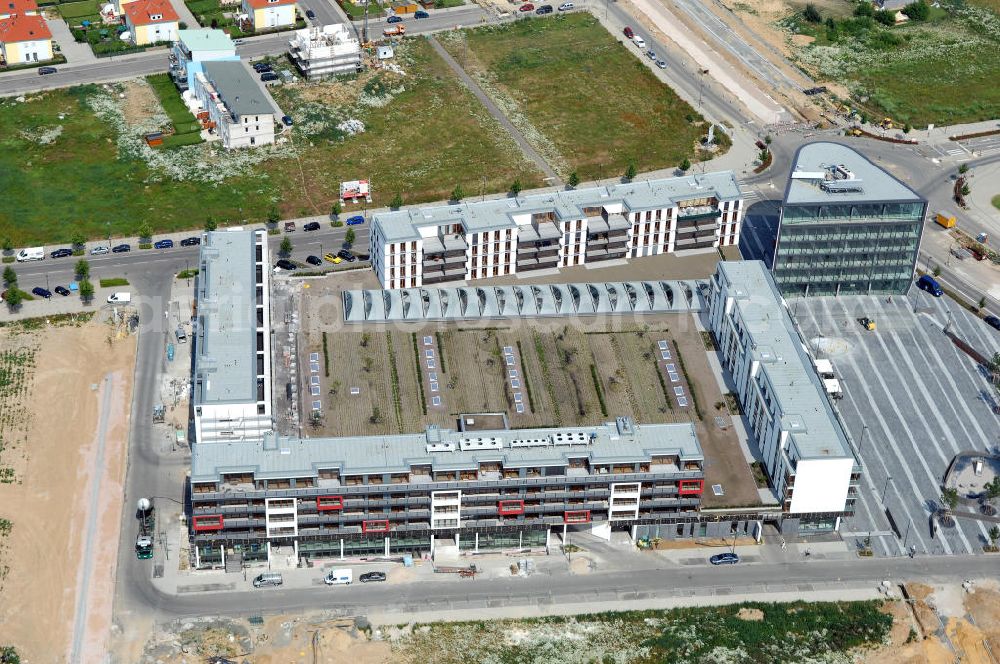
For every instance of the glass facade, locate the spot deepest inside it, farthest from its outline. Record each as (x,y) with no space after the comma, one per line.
(848,248)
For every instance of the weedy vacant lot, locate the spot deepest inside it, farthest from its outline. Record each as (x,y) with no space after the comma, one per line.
(583,99)
(75,160)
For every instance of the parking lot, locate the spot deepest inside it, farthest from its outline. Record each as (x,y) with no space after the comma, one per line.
(922,401)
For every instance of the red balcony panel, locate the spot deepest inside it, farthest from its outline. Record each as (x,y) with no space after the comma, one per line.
(207,522)
(510,507)
(379,526)
(576,516)
(690,487)
(329,503)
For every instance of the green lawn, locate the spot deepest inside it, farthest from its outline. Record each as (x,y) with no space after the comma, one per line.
(180,117)
(585,101)
(424,134)
(75,12)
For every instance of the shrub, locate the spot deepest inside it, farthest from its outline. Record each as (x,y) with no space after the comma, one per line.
(812,14)
(917,11)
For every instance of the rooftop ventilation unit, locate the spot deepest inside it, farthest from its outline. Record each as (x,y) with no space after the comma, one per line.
(482,443)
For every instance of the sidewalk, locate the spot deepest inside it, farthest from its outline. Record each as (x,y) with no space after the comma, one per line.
(77,53)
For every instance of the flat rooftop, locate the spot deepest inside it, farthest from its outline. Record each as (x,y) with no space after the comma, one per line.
(205,39)
(226,343)
(240,92)
(444,449)
(825,172)
(476,217)
(808,417)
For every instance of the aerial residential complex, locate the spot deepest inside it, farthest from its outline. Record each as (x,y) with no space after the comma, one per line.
(805,450)
(240,112)
(324,51)
(424,246)
(281,498)
(847,226)
(232,364)
(195,47)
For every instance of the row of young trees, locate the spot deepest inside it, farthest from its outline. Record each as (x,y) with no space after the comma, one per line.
(14,296)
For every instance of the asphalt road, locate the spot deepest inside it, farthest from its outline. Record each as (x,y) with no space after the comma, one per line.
(636,584)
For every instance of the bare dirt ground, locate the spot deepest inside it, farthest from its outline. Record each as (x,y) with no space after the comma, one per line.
(141,102)
(50,505)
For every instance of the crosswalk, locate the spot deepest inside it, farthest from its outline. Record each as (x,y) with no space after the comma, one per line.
(750,193)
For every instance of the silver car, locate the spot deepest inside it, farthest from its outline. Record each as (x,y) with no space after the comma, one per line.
(99,250)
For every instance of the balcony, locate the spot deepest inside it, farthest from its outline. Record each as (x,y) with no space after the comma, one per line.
(697,212)
(445,244)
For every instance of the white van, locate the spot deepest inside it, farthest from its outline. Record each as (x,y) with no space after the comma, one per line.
(339,577)
(120,298)
(31,254)
(267,579)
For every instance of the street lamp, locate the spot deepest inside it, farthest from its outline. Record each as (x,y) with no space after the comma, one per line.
(864,431)
(888,478)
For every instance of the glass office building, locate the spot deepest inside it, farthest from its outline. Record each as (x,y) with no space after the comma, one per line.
(847,226)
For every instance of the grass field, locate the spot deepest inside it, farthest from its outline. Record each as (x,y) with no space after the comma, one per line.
(582,99)
(70,161)
(75,12)
(943,70)
(557,368)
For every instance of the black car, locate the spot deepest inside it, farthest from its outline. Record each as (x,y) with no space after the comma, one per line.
(347,256)
(164,244)
(310,14)
(311,226)
(544,9)
(62,290)
(41,292)
(287,120)
(262,67)
(993,322)
(42,71)
(371,576)
(190,241)
(286,264)
(314,260)
(724,559)
(268,76)
(61,253)
(121,248)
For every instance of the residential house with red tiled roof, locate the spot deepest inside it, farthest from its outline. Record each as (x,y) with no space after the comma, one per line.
(24,38)
(269,14)
(151,21)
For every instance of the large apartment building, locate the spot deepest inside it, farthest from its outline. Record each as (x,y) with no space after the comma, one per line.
(280,498)
(804,447)
(193,48)
(847,226)
(232,363)
(425,246)
(240,112)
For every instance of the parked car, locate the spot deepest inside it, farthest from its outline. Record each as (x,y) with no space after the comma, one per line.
(164,244)
(347,256)
(61,253)
(930,284)
(190,241)
(339,577)
(544,9)
(311,226)
(394,19)
(628,32)
(310,14)
(372,576)
(527,7)
(286,264)
(993,322)
(287,120)
(333,258)
(269,76)
(41,292)
(662,64)
(289,226)
(639,41)
(42,71)
(262,67)
(421,14)
(355,220)
(121,248)
(314,260)
(62,290)
(100,250)
(566,6)
(727,558)
(267,579)
(651,54)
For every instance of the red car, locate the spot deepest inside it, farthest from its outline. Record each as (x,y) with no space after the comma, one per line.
(527,7)
(628,32)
